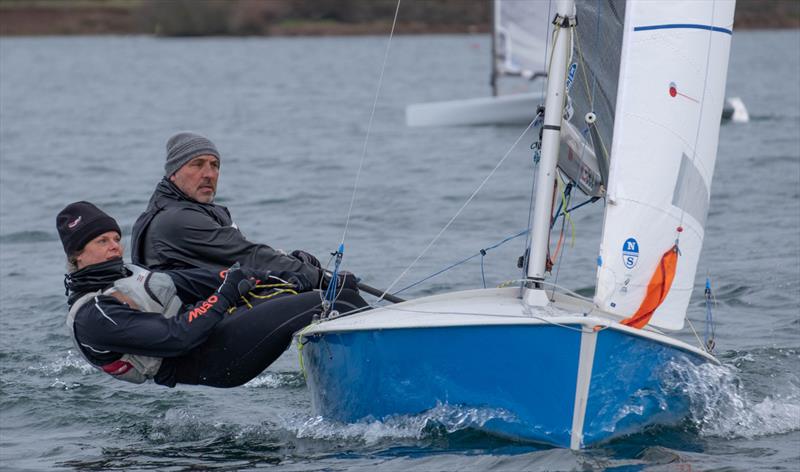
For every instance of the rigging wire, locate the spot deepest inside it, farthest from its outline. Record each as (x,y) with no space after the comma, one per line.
(329,296)
(481,253)
(709,334)
(458,213)
(369,125)
(710,331)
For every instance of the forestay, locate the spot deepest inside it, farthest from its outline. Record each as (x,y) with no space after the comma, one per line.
(673,67)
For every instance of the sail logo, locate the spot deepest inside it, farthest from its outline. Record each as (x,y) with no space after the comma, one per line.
(571,75)
(630,253)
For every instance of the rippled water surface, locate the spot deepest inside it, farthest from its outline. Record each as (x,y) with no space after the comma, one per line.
(87,118)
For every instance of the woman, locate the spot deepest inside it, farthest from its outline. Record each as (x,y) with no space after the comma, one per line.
(182,326)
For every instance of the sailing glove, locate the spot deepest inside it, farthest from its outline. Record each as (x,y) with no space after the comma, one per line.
(255,275)
(298,280)
(306,258)
(235,284)
(346,280)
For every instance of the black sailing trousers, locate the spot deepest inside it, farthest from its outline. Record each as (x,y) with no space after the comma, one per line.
(250,339)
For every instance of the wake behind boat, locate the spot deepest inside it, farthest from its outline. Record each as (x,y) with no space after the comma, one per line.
(635,92)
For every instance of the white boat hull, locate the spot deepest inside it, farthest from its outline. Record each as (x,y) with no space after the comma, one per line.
(503,110)
(513,109)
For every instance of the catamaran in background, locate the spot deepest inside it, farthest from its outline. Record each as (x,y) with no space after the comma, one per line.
(519,42)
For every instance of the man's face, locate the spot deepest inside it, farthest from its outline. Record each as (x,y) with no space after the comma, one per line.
(197,179)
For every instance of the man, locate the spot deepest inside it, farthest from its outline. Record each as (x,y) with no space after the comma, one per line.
(182,226)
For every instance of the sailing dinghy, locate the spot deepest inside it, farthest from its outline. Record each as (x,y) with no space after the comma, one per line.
(519,42)
(648,86)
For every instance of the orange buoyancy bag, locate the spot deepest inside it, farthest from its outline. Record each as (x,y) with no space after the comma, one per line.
(657,289)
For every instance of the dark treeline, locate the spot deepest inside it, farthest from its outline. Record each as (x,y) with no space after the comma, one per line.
(291,17)
(259,17)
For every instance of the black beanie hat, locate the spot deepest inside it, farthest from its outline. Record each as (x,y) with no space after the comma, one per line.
(80,222)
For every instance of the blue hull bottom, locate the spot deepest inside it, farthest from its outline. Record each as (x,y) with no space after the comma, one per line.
(527,374)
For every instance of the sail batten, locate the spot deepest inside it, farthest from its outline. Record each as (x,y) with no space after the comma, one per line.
(684,25)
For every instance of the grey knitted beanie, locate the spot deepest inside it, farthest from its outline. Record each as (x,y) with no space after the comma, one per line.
(185,146)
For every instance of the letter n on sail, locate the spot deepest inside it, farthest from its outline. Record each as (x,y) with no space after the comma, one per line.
(657,289)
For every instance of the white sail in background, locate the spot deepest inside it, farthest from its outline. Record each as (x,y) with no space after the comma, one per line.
(671,91)
(520,36)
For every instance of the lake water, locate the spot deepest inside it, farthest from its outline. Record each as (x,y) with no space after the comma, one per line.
(86,118)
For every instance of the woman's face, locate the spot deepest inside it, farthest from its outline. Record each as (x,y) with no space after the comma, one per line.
(100,249)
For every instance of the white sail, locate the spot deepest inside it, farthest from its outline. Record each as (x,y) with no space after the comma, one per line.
(671,91)
(520,36)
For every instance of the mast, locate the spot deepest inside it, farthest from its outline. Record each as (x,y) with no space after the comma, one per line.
(494,16)
(551,138)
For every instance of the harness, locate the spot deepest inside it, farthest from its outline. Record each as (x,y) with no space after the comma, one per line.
(151,292)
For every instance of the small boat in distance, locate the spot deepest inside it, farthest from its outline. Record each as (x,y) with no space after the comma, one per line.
(519,39)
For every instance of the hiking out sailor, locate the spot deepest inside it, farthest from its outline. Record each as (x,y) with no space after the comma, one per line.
(182,227)
(191,326)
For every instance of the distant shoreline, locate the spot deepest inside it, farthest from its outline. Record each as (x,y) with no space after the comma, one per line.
(275,18)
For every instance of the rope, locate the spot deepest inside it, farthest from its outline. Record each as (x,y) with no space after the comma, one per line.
(709,334)
(565,196)
(481,253)
(331,295)
(695,332)
(591,200)
(274,290)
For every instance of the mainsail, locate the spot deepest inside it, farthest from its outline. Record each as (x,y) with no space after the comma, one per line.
(670,95)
